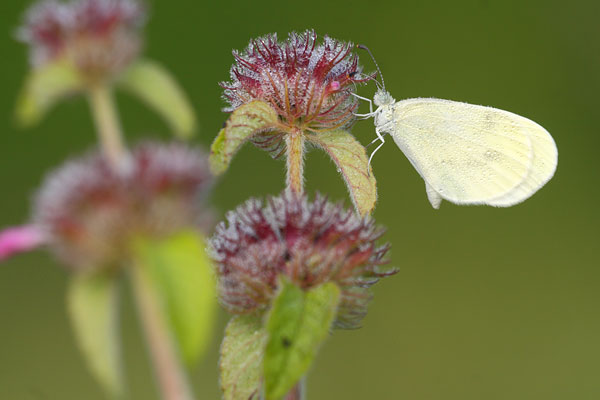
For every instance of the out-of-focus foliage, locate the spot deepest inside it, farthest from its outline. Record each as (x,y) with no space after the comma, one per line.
(181,273)
(94,308)
(155,86)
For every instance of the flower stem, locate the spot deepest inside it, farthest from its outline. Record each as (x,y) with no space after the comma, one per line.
(108,127)
(295,161)
(172,379)
(297,392)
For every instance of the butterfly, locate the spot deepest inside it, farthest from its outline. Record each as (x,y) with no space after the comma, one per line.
(466,154)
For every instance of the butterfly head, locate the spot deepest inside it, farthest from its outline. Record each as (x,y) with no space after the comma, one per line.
(383,98)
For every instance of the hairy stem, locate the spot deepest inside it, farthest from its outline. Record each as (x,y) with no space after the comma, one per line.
(295,161)
(108,127)
(172,379)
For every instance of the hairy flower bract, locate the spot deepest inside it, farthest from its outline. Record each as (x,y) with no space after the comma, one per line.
(308,84)
(309,242)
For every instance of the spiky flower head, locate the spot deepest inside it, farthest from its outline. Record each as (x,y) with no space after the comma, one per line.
(308,84)
(89,213)
(309,242)
(99,37)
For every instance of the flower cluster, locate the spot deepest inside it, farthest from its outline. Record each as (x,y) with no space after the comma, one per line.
(310,242)
(89,213)
(100,37)
(308,85)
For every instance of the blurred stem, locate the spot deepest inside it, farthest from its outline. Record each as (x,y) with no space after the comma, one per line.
(297,392)
(295,161)
(172,379)
(108,127)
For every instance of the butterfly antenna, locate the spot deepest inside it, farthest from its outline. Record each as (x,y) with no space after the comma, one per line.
(362,46)
(353,74)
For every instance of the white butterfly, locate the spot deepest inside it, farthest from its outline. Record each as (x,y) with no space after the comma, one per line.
(467,154)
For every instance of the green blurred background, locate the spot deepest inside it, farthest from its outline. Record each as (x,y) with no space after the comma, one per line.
(488,304)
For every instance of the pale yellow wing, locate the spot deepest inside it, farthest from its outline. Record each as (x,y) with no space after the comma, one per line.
(545,160)
(470,154)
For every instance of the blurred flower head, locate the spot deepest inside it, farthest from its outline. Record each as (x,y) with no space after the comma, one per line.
(309,85)
(89,214)
(99,37)
(310,242)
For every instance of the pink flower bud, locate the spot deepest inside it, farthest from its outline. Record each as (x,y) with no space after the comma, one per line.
(334,86)
(19,239)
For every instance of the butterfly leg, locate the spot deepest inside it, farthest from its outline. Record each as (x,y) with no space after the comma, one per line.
(370,114)
(376,139)
(379,137)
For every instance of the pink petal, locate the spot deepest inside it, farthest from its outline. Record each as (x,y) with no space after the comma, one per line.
(19,239)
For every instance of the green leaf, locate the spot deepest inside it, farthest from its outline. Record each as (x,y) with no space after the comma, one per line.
(181,274)
(297,324)
(92,300)
(241,357)
(44,87)
(246,121)
(155,86)
(352,162)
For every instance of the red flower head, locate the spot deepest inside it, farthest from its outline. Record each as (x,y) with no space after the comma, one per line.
(308,85)
(309,242)
(98,36)
(89,213)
